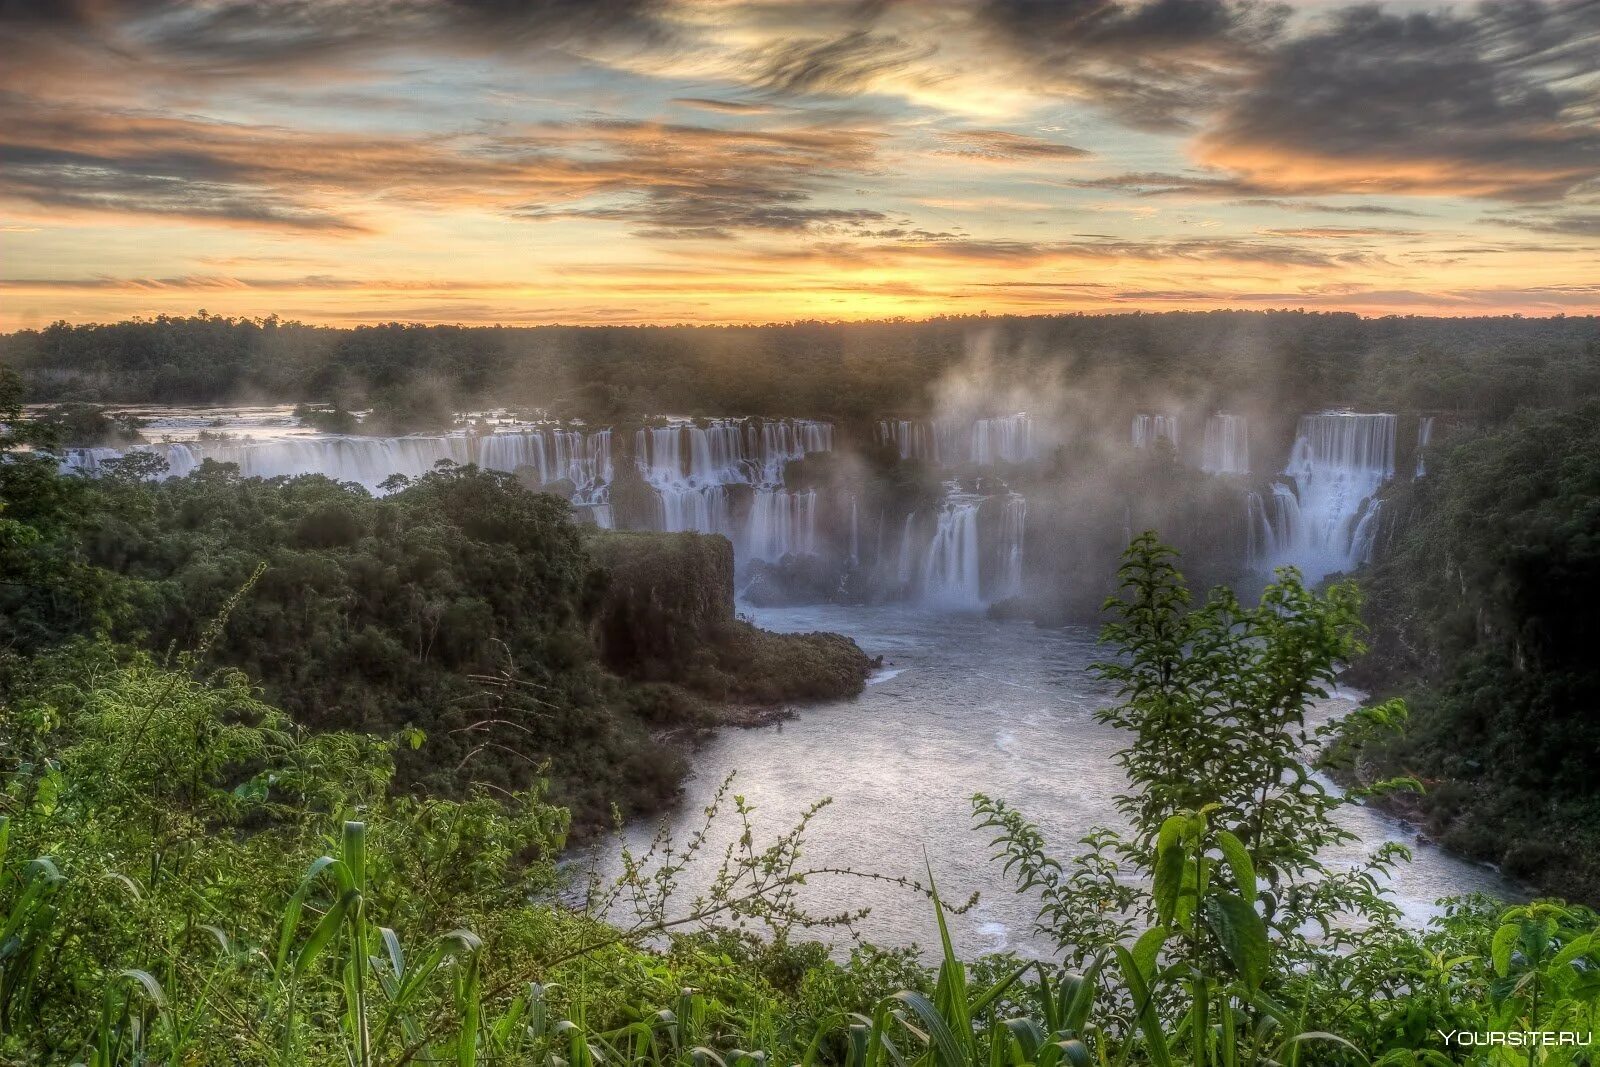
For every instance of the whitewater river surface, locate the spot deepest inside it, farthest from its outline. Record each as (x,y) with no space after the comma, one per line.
(962,704)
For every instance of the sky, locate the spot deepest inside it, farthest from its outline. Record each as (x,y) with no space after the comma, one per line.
(724,161)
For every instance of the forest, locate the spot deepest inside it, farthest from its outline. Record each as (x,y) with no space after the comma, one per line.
(290,769)
(413,377)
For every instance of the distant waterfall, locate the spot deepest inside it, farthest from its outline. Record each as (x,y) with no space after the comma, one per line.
(692,467)
(906,566)
(1227,445)
(950,570)
(1004,440)
(781,523)
(1326,519)
(1013,521)
(1147,429)
(855,533)
(912,439)
(1424,438)
(585,460)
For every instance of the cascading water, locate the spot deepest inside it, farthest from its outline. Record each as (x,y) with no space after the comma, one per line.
(722,476)
(1227,445)
(855,533)
(1326,519)
(1424,438)
(906,558)
(950,568)
(781,523)
(1009,439)
(693,467)
(585,460)
(1147,429)
(913,440)
(1013,521)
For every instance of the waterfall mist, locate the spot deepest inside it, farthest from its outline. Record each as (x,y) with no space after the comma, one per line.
(1010,482)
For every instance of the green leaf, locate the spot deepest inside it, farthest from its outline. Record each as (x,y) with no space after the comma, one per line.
(1500,950)
(1578,946)
(1157,1049)
(1146,950)
(1169,870)
(1243,936)
(1238,858)
(324,932)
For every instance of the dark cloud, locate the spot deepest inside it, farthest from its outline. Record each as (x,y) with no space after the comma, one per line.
(266,38)
(1570,224)
(730,107)
(833,66)
(1155,64)
(1001,146)
(1339,233)
(679,180)
(1335,209)
(1498,102)
(695,182)
(1086,248)
(1159,183)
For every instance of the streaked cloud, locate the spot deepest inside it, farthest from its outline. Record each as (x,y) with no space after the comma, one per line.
(730,160)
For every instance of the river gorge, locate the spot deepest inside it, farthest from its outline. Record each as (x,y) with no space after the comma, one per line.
(932,543)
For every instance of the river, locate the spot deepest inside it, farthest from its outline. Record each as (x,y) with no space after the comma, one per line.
(962,704)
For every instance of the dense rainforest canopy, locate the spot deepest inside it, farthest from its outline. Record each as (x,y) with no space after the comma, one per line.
(414,374)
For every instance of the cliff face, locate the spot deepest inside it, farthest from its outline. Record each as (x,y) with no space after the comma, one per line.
(667,615)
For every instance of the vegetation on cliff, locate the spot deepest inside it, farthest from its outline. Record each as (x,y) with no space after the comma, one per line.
(463,608)
(187,876)
(1483,614)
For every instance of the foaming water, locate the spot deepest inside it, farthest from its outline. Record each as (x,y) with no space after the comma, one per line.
(962,704)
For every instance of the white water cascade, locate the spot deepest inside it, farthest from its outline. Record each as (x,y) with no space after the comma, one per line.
(1325,519)
(1009,439)
(584,459)
(1424,439)
(781,523)
(1013,521)
(913,439)
(1147,429)
(691,468)
(950,568)
(1227,445)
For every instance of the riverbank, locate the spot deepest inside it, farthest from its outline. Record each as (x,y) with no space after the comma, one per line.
(962,704)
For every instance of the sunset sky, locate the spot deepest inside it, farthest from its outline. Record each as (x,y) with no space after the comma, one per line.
(480,161)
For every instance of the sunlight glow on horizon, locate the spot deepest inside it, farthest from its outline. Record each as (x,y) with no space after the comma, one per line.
(690,161)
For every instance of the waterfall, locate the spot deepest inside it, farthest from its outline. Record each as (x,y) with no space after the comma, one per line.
(950,569)
(1003,440)
(906,561)
(89,461)
(691,468)
(1147,429)
(1424,438)
(585,460)
(1227,445)
(1325,519)
(1013,520)
(855,533)
(781,523)
(913,440)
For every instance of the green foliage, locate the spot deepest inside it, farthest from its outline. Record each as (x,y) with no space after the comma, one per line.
(157,906)
(1484,610)
(463,608)
(412,373)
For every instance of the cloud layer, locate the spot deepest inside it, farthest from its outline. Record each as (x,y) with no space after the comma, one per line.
(727,160)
